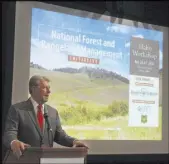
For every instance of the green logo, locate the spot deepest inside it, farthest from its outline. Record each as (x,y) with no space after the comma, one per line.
(144,118)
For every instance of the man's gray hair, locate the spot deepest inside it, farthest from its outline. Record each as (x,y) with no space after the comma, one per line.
(34,81)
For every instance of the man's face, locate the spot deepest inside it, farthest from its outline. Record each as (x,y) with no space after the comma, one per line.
(42,91)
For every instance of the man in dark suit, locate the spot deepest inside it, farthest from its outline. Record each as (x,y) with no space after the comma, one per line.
(26,126)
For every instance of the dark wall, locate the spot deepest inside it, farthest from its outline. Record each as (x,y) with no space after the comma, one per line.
(8,27)
(147,13)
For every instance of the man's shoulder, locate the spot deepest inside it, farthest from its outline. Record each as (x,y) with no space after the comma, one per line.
(19,104)
(51,110)
(50,107)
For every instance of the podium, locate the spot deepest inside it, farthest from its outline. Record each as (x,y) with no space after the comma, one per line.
(35,155)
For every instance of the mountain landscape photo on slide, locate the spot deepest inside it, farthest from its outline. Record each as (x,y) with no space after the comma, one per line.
(89,96)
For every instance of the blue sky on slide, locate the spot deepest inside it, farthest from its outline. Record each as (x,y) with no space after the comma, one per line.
(43,22)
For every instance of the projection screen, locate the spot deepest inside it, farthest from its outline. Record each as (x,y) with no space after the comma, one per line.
(109,77)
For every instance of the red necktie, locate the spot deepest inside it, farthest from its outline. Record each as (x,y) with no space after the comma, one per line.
(40,116)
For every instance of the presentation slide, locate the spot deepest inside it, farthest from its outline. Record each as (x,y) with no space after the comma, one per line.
(105,77)
(109,75)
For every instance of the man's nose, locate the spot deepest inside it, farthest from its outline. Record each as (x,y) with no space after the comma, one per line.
(48,90)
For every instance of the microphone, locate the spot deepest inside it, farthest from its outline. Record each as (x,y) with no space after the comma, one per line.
(50,132)
(47,121)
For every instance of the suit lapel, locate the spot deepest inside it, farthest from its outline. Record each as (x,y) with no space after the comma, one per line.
(45,111)
(33,117)
(49,118)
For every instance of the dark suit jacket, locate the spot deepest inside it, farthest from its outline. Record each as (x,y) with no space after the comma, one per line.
(22,124)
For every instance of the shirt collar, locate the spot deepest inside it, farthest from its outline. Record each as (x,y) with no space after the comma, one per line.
(35,104)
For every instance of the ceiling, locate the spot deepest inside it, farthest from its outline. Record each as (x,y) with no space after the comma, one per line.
(154,12)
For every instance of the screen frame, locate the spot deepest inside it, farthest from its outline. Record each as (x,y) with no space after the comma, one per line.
(23,30)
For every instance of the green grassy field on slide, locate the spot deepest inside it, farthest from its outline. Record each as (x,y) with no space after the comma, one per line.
(96,109)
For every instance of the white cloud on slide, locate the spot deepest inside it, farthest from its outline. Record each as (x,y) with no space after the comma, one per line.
(46,57)
(119,29)
(35,42)
(51,58)
(138,36)
(127,44)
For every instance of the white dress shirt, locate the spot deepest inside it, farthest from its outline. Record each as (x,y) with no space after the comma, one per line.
(35,106)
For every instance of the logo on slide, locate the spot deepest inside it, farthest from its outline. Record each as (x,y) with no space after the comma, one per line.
(144,119)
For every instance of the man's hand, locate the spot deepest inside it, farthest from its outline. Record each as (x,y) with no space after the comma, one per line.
(77,143)
(18,147)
